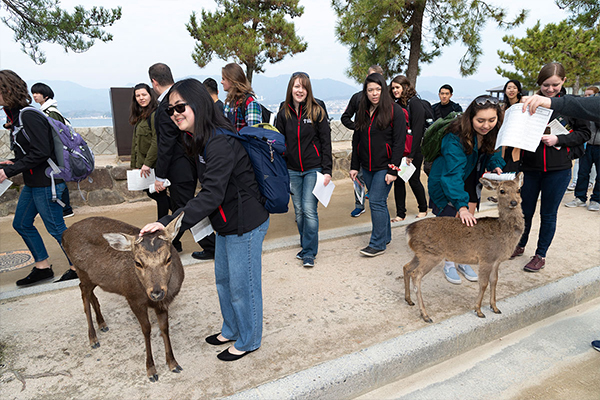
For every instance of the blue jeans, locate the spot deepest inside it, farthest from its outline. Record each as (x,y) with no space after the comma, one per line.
(591,157)
(305,207)
(381,233)
(34,201)
(238,269)
(552,185)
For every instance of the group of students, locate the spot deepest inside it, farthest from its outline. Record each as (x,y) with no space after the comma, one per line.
(182,134)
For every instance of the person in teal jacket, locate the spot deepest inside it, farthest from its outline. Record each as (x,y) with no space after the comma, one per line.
(467,151)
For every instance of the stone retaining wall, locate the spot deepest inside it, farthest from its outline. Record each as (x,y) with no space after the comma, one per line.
(109,183)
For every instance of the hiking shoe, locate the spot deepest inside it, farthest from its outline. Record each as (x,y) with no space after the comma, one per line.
(451,274)
(67,276)
(518,252)
(571,186)
(535,264)
(308,262)
(596,344)
(467,271)
(357,212)
(371,252)
(575,203)
(36,275)
(594,206)
(299,256)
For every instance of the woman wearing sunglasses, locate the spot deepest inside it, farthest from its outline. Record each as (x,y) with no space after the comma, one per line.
(241,106)
(143,144)
(238,218)
(377,147)
(467,152)
(548,170)
(304,124)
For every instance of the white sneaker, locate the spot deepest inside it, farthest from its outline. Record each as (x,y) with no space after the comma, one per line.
(575,203)
(571,186)
(594,206)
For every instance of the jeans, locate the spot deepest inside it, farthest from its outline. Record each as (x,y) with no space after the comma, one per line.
(357,203)
(238,277)
(381,233)
(305,207)
(591,157)
(552,185)
(416,187)
(34,201)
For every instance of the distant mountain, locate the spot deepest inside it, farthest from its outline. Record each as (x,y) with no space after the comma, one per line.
(78,101)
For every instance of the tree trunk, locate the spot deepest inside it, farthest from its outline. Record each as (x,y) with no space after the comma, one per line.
(576,85)
(415,42)
(249,71)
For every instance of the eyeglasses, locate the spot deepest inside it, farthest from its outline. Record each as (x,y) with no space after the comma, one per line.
(481,100)
(180,108)
(295,74)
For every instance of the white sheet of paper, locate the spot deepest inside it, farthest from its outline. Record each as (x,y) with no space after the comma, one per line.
(136,182)
(322,192)
(406,170)
(522,130)
(556,128)
(202,229)
(359,190)
(4,185)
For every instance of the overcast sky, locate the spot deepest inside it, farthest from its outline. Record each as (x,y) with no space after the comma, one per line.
(154,31)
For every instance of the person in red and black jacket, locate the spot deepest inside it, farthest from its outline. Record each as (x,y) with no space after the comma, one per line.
(548,170)
(377,144)
(304,124)
(33,145)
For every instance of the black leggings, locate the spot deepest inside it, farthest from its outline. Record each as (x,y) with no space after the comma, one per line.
(415,185)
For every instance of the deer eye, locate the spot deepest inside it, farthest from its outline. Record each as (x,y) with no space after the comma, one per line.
(138,265)
(502,191)
(518,190)
(169,260)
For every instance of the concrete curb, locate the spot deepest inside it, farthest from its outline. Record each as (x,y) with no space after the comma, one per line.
(357,373)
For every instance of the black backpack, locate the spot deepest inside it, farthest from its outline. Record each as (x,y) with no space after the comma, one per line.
(429,114)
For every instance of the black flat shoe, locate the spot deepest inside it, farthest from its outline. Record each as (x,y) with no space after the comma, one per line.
(213,339)
(67,276)
(36,275)
(203,255)
(225,355)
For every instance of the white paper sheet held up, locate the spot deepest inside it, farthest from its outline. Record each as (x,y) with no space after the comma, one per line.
(322,192)
(136,182)
(406,170)
(522,130)
(359,191)
(202,229)
(4,185)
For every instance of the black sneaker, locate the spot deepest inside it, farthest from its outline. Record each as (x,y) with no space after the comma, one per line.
(68,214)
(203,255)
(67,276)
(36,275)
(371,252)
(308,262)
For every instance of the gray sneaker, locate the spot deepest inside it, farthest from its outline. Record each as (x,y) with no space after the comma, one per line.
(594,206)
(575,203)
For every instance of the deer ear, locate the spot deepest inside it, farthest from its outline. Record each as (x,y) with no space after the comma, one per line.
(172,229)
(120,241)
(492,185)
(519,179)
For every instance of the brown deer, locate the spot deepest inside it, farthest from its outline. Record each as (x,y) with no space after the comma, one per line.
(488,243)
(145,270)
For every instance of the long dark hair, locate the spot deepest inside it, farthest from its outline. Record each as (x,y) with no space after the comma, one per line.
(13,90)
(408,91)
(206,117)
(463,125)
(548,71)
(383,114)
(313,110)
(139,113)
(519,88)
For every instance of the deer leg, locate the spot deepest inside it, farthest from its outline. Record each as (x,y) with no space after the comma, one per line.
(163,323)
(493,282)
(484,277)
(99,318)
(141,312)
(408,268)
(86,290)
(425,265)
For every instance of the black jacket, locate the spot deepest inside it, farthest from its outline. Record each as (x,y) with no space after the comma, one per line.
(548,158)
(416,121)
(441,111)
(308,143)
(171,162)
(580,107)
(31,156)
(224,160)
(374,149)
(351,110)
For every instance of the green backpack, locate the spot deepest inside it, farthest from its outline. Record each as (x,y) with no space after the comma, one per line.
(432,139)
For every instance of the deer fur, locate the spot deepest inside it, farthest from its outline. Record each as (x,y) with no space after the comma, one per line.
(488,243)
(146,270)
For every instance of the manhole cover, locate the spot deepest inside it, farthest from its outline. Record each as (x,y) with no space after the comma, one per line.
(12,260)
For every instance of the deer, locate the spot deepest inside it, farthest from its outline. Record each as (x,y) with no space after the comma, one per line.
(488,243)
(146,270)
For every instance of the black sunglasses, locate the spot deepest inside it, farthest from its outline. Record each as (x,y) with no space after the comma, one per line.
(295,74)
(481,100)
(180,108)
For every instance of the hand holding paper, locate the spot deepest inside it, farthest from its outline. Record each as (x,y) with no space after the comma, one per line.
(323,193)
(522,130)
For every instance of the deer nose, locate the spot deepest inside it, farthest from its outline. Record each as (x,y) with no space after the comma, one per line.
(157,295)
(513,203)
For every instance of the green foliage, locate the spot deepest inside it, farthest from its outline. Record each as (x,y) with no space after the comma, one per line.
(585,13)
(248,31)
(37,21)
(399,34)
(578,50)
